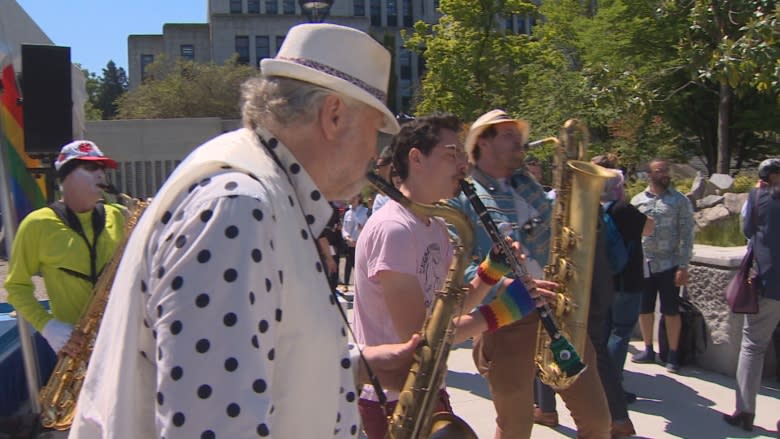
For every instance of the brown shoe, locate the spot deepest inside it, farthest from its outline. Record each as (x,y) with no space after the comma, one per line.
(548,419)
(623,429)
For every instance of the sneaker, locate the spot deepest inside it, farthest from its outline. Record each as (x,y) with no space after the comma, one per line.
(548,419)
(629,397)
(672,367)
(623,428)
(644,357)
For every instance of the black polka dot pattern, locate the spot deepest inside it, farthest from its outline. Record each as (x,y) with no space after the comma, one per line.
(213,332)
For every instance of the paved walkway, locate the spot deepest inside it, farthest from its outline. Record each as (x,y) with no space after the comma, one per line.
(685,405)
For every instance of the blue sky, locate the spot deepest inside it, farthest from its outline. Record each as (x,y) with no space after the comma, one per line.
(96,31)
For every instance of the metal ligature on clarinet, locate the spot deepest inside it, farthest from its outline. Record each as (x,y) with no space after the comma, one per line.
(59,396)
(578,185)
(566,358)
(413,417)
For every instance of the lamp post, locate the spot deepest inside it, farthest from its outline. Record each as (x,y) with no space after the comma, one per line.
(316,10)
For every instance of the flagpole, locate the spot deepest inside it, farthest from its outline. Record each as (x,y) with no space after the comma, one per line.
(29,353)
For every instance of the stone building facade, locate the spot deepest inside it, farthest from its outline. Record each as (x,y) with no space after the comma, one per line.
(254,29)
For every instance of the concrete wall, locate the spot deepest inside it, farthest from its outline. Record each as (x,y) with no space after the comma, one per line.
(148,150)
(711,270)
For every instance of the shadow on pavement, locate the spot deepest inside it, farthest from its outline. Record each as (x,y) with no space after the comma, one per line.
(688,414)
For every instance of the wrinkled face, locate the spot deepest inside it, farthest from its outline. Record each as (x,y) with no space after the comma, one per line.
(358,149)
(659,174)
(506,147)
(445,166)
(86,181)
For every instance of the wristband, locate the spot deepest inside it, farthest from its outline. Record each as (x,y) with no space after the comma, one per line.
(512,305)
(492,269)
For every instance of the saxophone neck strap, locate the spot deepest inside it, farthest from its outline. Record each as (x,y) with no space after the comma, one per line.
(69,218)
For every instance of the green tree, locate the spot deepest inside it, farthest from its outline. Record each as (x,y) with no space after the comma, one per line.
(113,85)
(735,45)
(187,89)
(472,63)
(91,112)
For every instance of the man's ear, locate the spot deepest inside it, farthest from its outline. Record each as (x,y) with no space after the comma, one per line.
(332,116)
(414,155)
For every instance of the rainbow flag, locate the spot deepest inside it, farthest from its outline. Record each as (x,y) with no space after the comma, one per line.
(26,192)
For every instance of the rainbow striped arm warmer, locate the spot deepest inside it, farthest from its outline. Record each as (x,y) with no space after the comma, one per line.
(492,269)
(512,305)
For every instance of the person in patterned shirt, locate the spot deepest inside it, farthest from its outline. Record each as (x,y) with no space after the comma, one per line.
(667,253)
(221,322)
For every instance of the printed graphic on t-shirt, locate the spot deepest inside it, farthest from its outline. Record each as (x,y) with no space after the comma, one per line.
(429,268)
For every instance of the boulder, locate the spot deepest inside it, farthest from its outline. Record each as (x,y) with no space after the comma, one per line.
(723,182)
(682,171)
(734,202)
(709,201)
(706,217)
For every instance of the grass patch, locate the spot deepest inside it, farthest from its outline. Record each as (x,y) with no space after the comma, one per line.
(724,233)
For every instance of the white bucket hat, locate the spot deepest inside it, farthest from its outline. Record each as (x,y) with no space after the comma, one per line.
(342,59)
(492,117)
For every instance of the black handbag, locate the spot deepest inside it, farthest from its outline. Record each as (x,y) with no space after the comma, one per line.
(693,334)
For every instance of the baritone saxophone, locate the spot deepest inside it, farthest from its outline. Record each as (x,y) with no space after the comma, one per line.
(58,397)
(578,185)
(414,417)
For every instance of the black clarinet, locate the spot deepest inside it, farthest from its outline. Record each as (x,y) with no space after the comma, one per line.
(564,353)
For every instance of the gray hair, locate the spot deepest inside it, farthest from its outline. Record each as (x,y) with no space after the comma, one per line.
(282,101)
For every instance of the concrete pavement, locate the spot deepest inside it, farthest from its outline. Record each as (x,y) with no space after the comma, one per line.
(684,405)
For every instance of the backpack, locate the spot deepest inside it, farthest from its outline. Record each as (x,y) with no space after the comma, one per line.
(693,334)
(617,251)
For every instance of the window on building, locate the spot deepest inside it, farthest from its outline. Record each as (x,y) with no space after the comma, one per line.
(420,66)
(242,49)
(271,7)
(262,48)
(253,6)
(145,61)
(435,5)
(279,41)
(359,8)
(521,27)
(376,13)
(405,62)
(288,7)
(235,6)
(392,12)
(406,9)
(510,23)
(187,52)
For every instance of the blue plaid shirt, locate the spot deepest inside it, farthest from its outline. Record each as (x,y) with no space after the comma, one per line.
(500,203)
(671,244)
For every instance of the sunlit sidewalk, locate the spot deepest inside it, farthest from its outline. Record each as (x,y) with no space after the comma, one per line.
(685,405)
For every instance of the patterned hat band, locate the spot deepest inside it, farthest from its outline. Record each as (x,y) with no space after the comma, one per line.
(373,91)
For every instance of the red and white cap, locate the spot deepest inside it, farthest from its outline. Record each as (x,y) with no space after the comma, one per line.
(82,150)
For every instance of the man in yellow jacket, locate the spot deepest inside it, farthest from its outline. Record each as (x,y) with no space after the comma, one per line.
(67,242)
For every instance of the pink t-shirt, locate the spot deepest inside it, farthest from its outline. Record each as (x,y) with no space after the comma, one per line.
(394,239)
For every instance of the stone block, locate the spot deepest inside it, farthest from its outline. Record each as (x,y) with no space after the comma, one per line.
(705,217)
(709,201)
(724,182)
(734,202)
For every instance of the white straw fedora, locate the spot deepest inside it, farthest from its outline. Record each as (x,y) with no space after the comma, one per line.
(339,58)
(492,117)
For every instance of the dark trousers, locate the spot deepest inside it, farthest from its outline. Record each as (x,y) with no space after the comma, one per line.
(349,264)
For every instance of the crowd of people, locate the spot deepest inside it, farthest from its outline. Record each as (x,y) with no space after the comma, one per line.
(225,321)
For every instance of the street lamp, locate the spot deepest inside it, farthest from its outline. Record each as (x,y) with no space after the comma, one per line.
(316,10)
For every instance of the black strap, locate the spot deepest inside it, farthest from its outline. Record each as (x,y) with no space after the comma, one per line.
(380,394)
(98,224)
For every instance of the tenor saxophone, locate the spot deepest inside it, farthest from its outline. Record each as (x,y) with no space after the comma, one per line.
(578,186)
(413,417)
(58,397)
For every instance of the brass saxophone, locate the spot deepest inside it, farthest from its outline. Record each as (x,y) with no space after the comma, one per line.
(413,417)
(578,186)
(58,397)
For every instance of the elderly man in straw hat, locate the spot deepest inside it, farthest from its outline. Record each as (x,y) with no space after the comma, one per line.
(495,145)
(221,322)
